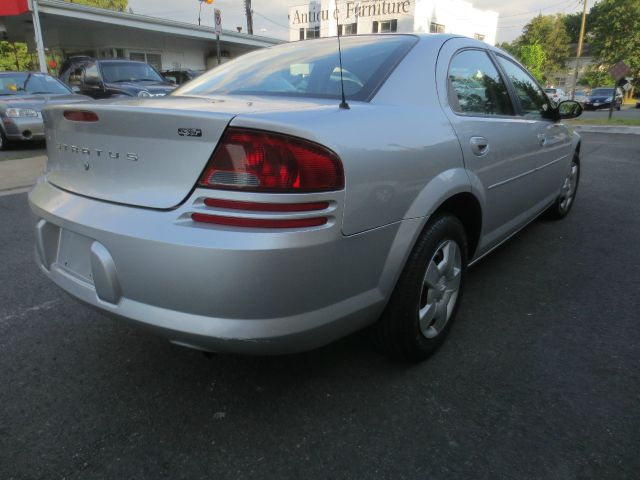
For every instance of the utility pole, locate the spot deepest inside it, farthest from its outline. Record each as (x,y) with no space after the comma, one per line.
(247,7)
(38,34)
(579,52)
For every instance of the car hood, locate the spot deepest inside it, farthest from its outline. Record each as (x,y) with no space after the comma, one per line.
(40,101)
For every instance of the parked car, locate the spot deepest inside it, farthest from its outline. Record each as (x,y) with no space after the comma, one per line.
(106,78)
(23,95)
(602,97)
(249,212)
(556,95)
(580,96)
(179,77)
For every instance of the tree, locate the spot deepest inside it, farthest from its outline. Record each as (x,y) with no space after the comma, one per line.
(572,23)
(596,77)
(550,32)
(534,57)
(615,27)
(119,5)
(15,56)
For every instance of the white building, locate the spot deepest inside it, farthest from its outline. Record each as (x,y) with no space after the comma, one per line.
(321,18)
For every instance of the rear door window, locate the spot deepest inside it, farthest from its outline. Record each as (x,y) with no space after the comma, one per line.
(475,85)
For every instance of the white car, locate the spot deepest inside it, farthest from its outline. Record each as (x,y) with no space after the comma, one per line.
(556,95)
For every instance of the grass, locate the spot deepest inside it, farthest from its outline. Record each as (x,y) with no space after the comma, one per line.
(632,122)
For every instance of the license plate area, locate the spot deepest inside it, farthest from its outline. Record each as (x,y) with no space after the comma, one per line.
(74,255)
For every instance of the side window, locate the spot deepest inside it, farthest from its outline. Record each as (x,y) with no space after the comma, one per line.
(91,74)
(475,86)
(533,100)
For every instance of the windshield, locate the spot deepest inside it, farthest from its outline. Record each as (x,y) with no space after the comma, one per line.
(602,91)
(307,69)
(129,72)
(22,83)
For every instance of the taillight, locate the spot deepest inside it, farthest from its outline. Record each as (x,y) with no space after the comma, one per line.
(258,161)
(80,115)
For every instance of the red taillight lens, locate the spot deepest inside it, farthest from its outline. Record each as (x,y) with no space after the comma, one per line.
(259,222)
(253,160)
(80,116)
(265,207)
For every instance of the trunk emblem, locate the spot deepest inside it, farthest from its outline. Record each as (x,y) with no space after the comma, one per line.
(86,165)
(189,132)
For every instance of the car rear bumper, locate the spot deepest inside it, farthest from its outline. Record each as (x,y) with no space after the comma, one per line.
(214,288)
(26,128)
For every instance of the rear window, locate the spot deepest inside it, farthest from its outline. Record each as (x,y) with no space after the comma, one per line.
(550,90)
(308,69)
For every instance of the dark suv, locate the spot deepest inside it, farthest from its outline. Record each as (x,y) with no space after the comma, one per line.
(102,78)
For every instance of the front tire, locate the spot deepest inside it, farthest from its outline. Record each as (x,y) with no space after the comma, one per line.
(3,140)
(562,206)
(425,300)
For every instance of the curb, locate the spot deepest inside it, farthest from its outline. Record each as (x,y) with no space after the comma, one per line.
(607,129)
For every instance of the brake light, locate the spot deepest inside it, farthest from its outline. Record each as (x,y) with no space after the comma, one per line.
(80,116)
(254,160)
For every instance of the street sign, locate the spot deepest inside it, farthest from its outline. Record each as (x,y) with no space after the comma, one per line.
(619,70)
(217,15)
(627,87)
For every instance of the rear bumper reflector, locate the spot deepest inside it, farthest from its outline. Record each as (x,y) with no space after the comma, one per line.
(265,207)
(80,115)
(259,222)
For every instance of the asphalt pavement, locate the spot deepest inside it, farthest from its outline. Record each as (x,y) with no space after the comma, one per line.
(626,112)
(539,378)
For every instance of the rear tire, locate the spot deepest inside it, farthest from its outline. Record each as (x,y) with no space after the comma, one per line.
(562,206)
(425,300)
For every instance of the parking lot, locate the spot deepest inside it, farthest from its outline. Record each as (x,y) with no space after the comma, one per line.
(539,378)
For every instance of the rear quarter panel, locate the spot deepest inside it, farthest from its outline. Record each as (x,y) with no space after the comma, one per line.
(395,149)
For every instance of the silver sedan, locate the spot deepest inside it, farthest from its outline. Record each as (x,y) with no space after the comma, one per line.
(23,95)
(255,210)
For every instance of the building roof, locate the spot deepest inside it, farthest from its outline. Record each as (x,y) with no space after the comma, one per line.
(67,10)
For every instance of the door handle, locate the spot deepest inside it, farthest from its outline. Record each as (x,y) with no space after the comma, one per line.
(542,139)
(479,146)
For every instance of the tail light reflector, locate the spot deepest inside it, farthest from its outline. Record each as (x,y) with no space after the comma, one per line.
(265,207)
(80,116)
(259,222)
(258,161)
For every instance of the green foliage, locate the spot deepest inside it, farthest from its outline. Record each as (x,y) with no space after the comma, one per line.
(550,32)
(596,77)
(15,56)
(572,23)
(534,58)
(510,48)
(119,5)
(615,27)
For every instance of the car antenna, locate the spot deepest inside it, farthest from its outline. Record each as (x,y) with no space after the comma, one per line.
(343,104)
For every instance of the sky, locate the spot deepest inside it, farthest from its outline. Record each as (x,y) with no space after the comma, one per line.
(270,16)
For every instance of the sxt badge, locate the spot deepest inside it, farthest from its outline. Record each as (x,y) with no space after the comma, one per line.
(189,132)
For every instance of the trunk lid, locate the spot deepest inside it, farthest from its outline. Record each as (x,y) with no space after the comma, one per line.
(146,154)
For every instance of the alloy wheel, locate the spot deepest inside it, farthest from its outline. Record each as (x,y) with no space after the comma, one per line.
(440,288)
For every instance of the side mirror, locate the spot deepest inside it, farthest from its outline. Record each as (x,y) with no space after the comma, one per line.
(93,82)
(569,109)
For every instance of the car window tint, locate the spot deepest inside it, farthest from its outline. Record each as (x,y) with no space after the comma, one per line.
(533,100)
(307,69)
(476,86)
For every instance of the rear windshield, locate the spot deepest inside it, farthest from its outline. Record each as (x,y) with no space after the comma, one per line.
(550,90)
(308,69)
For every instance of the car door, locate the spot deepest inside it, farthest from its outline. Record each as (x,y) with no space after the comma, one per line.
(552,140)
(496,142)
